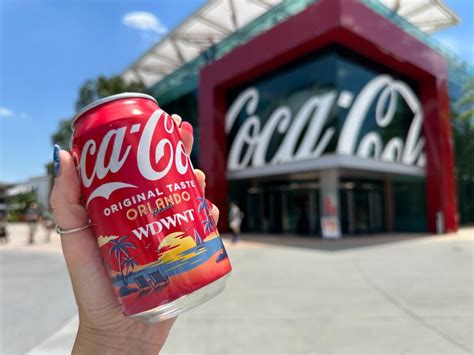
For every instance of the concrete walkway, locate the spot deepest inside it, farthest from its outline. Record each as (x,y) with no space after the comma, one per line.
(372,295)
(402,296)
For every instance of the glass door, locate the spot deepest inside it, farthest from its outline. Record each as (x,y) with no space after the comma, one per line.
(300,211)
(275,211)
(253,216)
(362,207)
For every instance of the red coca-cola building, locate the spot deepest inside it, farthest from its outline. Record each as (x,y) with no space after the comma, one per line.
(326,118)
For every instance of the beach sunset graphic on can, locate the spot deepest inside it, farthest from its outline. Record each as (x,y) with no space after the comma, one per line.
(157,268)
(179,258)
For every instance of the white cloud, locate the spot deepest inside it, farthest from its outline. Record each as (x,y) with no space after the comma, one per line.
(144,21)
(5,112)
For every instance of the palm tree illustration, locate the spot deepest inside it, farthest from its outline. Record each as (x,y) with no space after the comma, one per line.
(197,237)
(208,224)
(120,246)
(203,204)
(128,263)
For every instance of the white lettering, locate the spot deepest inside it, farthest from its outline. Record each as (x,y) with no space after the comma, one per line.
(148,159)
(144,148)
(141,232)
(156,227)
(304,138)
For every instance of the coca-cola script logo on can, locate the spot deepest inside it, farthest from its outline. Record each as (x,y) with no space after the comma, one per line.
(152,223)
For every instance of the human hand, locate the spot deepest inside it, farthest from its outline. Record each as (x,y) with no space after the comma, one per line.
(103,328)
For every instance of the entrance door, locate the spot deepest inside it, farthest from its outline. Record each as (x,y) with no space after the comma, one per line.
(300,215)
(362,208)
(272,210)
(376,211)
(254,212)
(282,209)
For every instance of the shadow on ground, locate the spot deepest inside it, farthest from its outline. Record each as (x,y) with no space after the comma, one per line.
(315,242)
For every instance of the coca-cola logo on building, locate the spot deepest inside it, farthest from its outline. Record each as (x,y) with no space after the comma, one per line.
(306,137)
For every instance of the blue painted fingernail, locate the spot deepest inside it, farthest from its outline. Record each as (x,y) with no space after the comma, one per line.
(57,160)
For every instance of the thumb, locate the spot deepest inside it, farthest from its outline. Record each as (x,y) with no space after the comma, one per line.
(66,194)
(82,255)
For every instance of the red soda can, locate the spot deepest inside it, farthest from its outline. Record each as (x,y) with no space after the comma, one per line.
(153,225)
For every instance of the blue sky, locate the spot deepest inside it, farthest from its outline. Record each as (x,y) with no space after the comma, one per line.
(48,48)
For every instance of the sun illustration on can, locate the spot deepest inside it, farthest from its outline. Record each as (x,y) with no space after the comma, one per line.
(173,245)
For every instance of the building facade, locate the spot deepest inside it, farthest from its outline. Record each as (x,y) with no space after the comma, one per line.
(335,121)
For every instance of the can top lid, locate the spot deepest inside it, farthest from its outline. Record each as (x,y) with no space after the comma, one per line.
(104,100)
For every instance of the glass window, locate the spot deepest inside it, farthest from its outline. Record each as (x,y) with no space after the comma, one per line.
(187,107)
(409,204)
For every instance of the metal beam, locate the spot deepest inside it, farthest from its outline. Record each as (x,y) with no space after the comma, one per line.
(139,76)
(396,6)
(156,70)
(165,58)
(433,26)
(261,3)
(233,15)
(200,38)
(202,44)
(416,10)
(178,51)
(430,23)
(213,24)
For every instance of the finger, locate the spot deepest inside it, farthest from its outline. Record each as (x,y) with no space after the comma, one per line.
(186,133)
(177,119)
(66,195)
(215,213)
(201,179)
(66,188)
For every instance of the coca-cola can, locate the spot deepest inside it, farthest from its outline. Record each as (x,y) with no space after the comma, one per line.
(152,222)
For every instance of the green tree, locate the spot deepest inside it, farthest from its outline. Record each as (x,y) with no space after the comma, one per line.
(18,203)
(463,132)
(63,134)
(89,92)
(465,104)
(93,90)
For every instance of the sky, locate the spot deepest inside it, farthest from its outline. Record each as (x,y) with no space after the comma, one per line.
(49,48)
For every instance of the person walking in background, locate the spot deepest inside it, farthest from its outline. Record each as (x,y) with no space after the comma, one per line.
(48,223)
(3,227)
(235,220)
(32,216)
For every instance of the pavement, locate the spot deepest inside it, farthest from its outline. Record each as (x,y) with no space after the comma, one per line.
(384,294)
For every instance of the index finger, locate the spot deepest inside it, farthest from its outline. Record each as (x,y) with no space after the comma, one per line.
(185,132)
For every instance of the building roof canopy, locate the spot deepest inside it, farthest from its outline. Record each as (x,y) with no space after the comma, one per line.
(217,19)
(428,15)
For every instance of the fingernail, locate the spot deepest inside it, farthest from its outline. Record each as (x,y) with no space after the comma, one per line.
(57,160)
(187,127)
(177,119)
